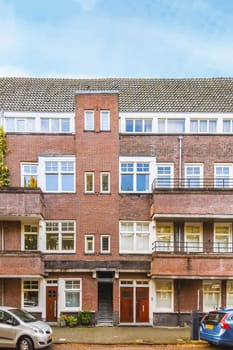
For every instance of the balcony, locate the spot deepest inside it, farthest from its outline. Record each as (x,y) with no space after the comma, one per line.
(192,259)
(185,199)
(16,202)
(18,263)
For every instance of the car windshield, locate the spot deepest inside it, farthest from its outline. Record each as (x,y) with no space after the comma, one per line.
(23,315)
(213,317)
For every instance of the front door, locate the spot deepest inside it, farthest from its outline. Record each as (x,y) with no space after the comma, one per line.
(126,308)
(51,304)
(142,304)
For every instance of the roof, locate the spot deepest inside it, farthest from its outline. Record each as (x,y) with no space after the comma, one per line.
(135,95)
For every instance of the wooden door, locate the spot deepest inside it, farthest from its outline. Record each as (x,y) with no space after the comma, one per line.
(51,304)
(142,304)
(126,304)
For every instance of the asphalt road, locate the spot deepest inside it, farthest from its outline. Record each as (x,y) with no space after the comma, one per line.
(132,347)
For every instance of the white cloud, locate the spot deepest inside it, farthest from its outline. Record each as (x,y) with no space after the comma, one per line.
(87,5)
(13,71)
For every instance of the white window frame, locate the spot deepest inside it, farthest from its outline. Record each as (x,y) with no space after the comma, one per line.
(144,126)
(190,244)
(164,125)
(135,236)
(164,236)
(193,177)
(211,290)
(163,177)
(59,173)
(63,290)
(60,233)
(102,248)
(38,289)
(88,243)
(92,176)
(102,175)
(164,289)
(89,120)
(225,179)
(34,175)
(34,232)
(105,120)
(137,160)
(225,246)
(199,122)
(229,294)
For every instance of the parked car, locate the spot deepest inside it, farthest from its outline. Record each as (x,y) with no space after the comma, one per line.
(216,327)
(19,329)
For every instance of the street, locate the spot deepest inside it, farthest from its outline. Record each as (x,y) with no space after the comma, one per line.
(131,347)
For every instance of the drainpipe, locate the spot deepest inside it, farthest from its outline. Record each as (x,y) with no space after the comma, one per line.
(180,160)
(3,245)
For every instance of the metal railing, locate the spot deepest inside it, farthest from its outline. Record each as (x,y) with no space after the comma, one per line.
(183,247)
(192,183)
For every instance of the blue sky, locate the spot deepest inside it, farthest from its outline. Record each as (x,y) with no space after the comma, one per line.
(116,38)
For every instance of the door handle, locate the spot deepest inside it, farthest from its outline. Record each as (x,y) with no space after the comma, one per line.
(55,308)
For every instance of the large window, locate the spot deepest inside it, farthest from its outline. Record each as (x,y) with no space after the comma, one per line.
(60,236)
(193,176)
(138,125)
(203,125)
(89,120)
(164,295)
(55,125)
(193,237)
(135,176)
(228,125)
(222,238)
(223,176)
(211,295)
(135,237)
(164,175)
(72,292)
(19,124)
(30,237)
(229,294)
(30,293)
(29,175)
(59,174)
(164,237)
(171,125)
(104,120)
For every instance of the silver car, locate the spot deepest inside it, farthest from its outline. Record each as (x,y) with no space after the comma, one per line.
(19,329)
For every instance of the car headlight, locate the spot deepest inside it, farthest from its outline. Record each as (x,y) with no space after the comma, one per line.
(37,330)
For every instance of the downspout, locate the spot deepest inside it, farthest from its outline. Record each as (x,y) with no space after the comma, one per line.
(3,238)
(180,160)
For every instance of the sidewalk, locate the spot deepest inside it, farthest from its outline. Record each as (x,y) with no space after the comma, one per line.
(123,335)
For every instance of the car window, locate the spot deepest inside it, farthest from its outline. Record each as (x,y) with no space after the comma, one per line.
(23,315)
(5,316)
(213,317)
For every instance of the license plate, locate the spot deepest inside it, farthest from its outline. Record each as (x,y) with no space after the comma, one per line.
(209,326)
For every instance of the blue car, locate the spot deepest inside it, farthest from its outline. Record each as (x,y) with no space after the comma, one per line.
(216,327)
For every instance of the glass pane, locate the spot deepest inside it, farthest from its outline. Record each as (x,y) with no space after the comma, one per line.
(51,182)
(142,182)
(10,124)
(55,125)
(127,242)
(193,125)
(67,242)
(30,242)
(203,125)
(175,125)
(65,125)
(129,125)
(67,182)
(51,241)
(148,125)
(30,298)
(138,125)
(161,125)
(226,125)
(105,183)
(212,125)
(89,182)
(105,121)
(44,124)
(72,299)
(142,242)
(89,121)
(126,182)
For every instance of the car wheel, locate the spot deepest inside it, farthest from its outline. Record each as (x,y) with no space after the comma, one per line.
(25,343)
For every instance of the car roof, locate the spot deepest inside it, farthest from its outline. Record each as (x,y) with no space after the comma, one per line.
(222,310)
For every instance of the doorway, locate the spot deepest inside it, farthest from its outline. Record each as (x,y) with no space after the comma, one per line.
(51,303)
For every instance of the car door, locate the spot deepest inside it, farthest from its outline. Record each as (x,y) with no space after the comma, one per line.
(7,329)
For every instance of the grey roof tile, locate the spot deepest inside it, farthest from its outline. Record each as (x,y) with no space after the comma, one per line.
(135,95)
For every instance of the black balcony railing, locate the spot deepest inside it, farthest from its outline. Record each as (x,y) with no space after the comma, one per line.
(192,247)
(192,183)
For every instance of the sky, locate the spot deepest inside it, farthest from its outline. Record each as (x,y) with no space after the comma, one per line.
(116,38)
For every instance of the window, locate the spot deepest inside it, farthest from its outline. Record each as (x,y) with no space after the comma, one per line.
(60,236)
(227,125)
(105,244)
(223,176)
(30,293)
(55,125)
(229,294)
(29,174)
(72,292)
(104,120)
(193,237)
(211,295)
(89,244)
(193,176)
(138,125)
(104,182)
(14,124)
(59,174)
(164,237)
(164,175)
(164,295)
(30,234)
(222,238)
(135,176)
(134,237)
(171,125)
(203,125)
(89,120)
(89,182)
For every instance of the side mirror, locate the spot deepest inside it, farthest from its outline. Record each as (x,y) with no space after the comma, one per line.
(12,322)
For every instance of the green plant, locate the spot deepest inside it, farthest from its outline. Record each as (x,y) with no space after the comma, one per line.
(63,317)
(85,317)
(72,321)
(4,171)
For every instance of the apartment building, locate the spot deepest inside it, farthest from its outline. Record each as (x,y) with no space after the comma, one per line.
(120,198)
